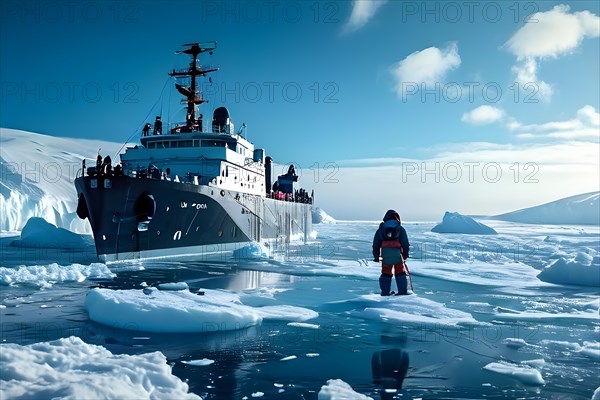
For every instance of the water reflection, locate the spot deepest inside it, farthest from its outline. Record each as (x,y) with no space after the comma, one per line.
(389,368)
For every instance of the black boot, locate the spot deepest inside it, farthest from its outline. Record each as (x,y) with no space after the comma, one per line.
(402,283)
(385,283)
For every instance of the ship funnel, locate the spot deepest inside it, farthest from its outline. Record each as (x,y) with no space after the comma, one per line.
(268,166)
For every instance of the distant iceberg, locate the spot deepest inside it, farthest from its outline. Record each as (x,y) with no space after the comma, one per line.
(39,233)
(582,271)
(319,216)
(454,222)
(583,209)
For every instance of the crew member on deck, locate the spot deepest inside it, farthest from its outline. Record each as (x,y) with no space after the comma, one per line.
(146,129)
(98,164)
(158,126)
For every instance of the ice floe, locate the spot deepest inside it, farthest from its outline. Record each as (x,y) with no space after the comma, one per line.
(69,368)
(413,309)
(45,276)
(153,310)
(337,389)
(522,373)
(199,363)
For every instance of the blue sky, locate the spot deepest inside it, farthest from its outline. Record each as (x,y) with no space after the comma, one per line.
(96,69)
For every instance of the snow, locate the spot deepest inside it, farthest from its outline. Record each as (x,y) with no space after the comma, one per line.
(337,389)
(68,368)
(39,233)
(573,272)
(152,310)
(319,216)
(524,374)
(454,222)
(582,209)
(44,276)
(37,173)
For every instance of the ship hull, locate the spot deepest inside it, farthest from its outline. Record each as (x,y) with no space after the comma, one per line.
(133,218)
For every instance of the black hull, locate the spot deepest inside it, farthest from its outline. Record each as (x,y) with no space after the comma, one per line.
(135,218)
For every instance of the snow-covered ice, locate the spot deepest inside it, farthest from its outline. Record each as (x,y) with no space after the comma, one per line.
(71,369)
(413,309)
(45,276)
(153,310)
(523,373)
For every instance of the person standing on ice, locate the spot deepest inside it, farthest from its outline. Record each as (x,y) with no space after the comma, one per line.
(391,244)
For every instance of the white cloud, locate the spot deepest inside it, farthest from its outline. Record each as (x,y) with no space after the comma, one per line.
(483,115)
(427,66)
(585,126)
(552,33)
(526,76)
(548,34)
(362,12)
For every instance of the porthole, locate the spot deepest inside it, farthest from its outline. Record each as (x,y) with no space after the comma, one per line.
(157,233)
(223,193)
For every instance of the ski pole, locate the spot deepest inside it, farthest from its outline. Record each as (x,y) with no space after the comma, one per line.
(409,276)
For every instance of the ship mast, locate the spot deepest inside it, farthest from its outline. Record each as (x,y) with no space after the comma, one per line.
(193,97)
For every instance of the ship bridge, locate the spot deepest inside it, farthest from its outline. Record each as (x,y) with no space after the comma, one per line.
(219,158)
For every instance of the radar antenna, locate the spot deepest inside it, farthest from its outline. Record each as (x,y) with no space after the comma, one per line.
(192,95)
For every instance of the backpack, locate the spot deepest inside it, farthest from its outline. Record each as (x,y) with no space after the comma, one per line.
(390,230)
(390,246)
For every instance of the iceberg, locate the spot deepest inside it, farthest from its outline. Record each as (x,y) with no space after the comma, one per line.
(319,216)
(572,272)
(36,177)
(39,233)
(454,222)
